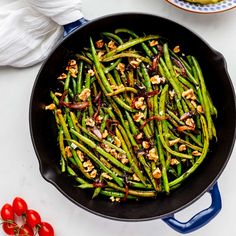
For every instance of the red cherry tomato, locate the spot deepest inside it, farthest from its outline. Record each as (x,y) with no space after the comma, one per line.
(7,212)
(45,229)
(32,218)
(19,206)
(25,230)
(10,228)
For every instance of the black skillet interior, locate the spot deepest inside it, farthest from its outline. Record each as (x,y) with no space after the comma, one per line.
(44,133)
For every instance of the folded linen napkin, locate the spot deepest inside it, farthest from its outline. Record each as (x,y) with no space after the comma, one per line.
(29,29)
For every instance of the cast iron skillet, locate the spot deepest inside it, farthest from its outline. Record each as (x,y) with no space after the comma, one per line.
(44,133)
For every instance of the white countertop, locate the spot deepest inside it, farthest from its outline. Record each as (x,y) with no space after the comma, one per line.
(19,169)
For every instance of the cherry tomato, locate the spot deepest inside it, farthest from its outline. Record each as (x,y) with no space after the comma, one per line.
(7,212)
(10,228)
(25,230)
(19,206)
(45,229)
(32,218)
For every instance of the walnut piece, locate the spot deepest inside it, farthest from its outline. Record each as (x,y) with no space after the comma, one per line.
(139,104)
(189,94)
(153,43)
(111,45)
(138,117)
(174,141)
(152,155)
(157,173)
(156,79)
(51,106)
(90,122)
(117,141)
(196,153)
(182,148)
(106,176)
(84,95)
(99,43)
(121,67)
(146,144)
(174,161)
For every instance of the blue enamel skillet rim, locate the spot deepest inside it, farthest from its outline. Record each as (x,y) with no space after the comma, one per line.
(196,186)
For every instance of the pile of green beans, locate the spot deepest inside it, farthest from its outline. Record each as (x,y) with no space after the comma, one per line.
(134,116)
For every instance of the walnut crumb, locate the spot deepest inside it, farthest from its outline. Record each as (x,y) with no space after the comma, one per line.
(106,176)
(68,151)
(84,95)
(104,134)
(156,79)
(174,141)
(152,155)
(91,72)
(200,109)
(51,106)
(121,67)
(153,43)
(139,136)
(146,144)
(138,117)
(136,178)
(182,148)
(112,45)
(93,174)
(99,43)
(135,63)
(176,49)
(190,122)
(196,153)
(90,122)
(189,94)
(80,155)
(139,104)
(157,173)
(62,76)
(117,141)
(174,161)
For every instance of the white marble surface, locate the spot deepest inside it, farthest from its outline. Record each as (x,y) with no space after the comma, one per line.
(19,169)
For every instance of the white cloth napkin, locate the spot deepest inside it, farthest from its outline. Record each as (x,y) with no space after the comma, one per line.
(29,29)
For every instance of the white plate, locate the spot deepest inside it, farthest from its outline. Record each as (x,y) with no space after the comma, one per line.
(205,9)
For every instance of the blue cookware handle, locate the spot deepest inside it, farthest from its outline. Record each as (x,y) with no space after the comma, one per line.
(68,28)
(201,218)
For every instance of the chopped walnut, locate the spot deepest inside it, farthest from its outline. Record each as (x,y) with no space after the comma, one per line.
(58,94)
(123,159)
(196,153)
(190,122)
(62,76)
(89,168)
(106,148)
(87,163)
(80,155)
(111,45)
(99,119)
(106,176)
(153,43)
(189,94)
(135,63)
(138,117)
(157,173)
(156,79)
(146,144)
(200,109)
(174,161)
(84,95)
(91,72)
(139,136)
(115,87)
(99,43)
(115,199)
(172,94)
(90,122)
(114,153)
(68,151)
(93,174)
(136,178)
(104,134)
(121,67)
(100,54)
(173,142)
(176,49)
(73,72)
(182,148)
(51,106)
(152,155)
(117,141)
(140,104)
(194,103)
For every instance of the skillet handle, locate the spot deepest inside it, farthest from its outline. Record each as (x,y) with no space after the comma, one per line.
(68,28)
(201,218)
